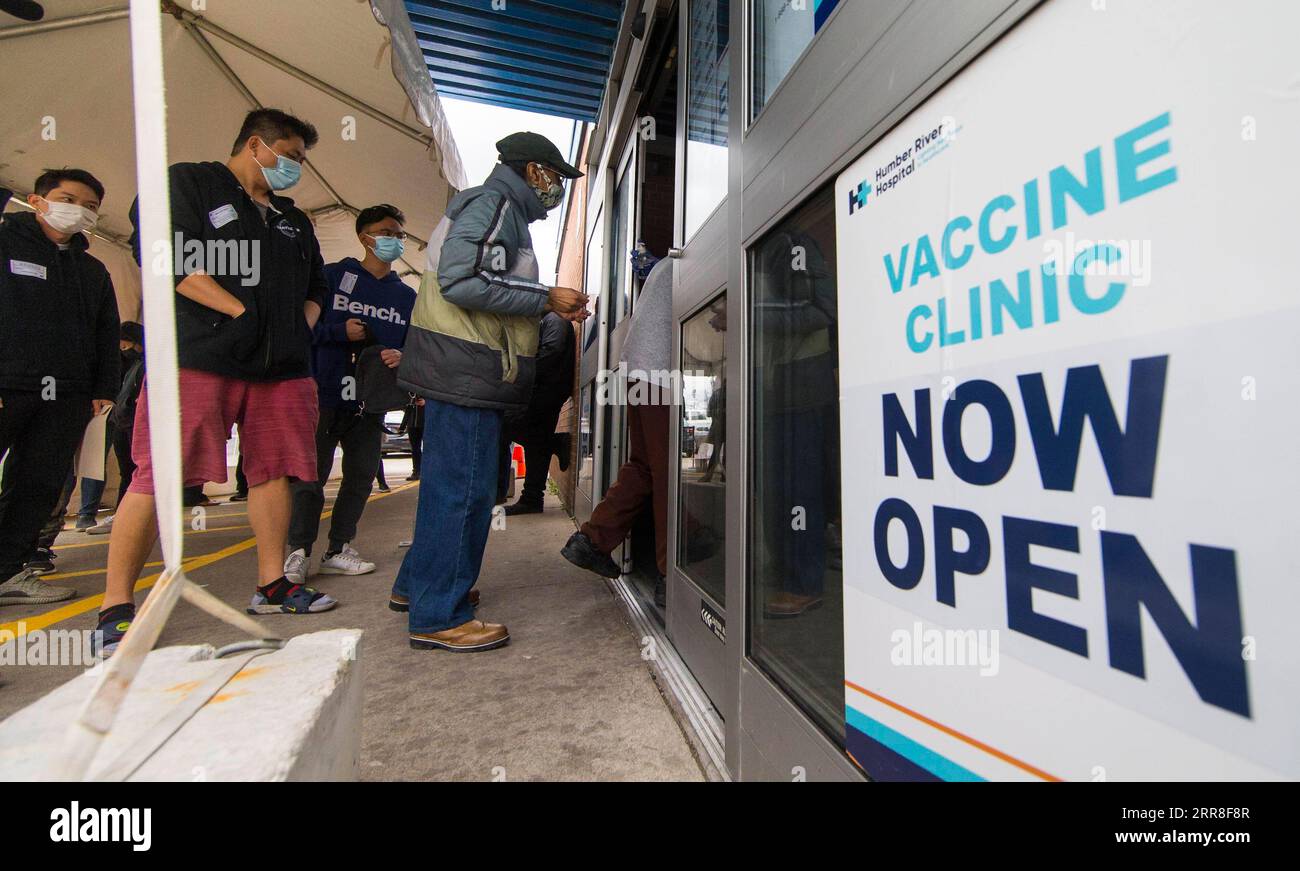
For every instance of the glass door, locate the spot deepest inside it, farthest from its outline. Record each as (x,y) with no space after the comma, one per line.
(702,460)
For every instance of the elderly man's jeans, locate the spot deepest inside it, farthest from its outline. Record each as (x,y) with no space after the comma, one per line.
(458,483)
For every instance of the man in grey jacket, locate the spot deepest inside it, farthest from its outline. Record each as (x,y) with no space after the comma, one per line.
(470,353)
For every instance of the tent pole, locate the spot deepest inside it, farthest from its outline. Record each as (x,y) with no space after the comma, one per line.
(190,19)
(63,23)
(95,719)
(235,80)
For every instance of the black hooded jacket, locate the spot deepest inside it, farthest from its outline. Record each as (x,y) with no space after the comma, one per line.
(58,314)
(272,266)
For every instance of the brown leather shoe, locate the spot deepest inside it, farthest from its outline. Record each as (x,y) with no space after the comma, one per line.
(403,604)
(790,604)
(468,637)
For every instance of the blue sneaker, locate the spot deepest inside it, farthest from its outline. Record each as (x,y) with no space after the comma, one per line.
(289,598)
(107,637)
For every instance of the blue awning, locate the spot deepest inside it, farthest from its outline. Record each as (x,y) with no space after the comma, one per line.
(548,56)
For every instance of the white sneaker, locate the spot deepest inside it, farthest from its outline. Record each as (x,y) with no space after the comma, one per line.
(104,527)
(295,567)
(346,562)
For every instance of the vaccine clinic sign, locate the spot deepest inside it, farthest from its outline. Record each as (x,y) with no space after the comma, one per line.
(1069,290)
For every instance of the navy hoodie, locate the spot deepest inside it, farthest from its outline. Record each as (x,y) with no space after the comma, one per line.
(383,304)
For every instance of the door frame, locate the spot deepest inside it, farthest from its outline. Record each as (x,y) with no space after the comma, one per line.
(700,275)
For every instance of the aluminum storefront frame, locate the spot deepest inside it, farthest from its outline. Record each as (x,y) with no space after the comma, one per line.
(873,63)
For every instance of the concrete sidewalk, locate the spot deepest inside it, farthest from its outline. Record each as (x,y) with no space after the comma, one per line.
(569,699)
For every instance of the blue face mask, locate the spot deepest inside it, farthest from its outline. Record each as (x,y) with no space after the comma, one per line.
(285,174)
(387,248)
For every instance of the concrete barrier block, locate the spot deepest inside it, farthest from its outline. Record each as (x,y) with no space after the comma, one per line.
(292,714)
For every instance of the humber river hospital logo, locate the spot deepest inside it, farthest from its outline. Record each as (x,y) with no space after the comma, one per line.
(858,196)
(921,150)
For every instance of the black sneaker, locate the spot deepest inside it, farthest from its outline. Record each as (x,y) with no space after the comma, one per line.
(523,507)
(41,561)
(582,553)
(238,497)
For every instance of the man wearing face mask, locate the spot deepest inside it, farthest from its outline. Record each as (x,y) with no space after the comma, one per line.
(58,361)
(250,284)
(470,353)
(368,304)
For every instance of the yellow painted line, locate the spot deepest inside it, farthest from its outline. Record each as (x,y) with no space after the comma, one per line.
(212,509)
(105,538)
(61,575)
(90,603)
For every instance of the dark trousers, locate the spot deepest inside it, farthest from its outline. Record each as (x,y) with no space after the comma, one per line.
(361,437)
(416,434)
(536,435)
(41,437)
(241,483)
(644,474)
(54,524)
(125,465)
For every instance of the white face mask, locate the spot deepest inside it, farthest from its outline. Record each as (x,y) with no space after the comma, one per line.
(69,217)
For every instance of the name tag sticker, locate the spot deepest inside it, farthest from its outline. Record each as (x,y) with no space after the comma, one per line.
(22,267)
(348,282)
(222,216)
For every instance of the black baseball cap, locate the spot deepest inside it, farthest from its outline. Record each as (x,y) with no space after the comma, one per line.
(536,148)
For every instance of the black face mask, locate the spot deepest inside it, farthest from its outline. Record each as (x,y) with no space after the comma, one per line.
(129,357)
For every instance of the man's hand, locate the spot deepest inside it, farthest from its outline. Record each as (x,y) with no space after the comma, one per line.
(356,329)
(566,301)
(203,289)
(101,405)
(390,357)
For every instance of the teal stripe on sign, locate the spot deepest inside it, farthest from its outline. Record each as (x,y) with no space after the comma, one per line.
(904,746)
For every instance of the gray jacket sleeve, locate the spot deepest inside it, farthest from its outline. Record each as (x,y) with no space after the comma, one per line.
(473,267)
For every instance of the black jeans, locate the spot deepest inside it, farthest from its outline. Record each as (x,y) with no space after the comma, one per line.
(125,465)
(535,433)
(41,437)
(416,433)
(361,437)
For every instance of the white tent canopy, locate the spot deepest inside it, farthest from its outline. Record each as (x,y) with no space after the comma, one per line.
(350,67)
